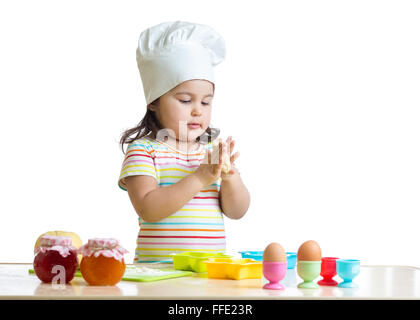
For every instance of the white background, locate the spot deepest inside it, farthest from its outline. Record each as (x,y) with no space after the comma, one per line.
(322,98)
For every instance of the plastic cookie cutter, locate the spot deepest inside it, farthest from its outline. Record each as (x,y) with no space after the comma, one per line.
(258,256)
(236,269)
(194,261)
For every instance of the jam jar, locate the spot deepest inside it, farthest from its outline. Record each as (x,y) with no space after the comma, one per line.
(102,261)
(55,259)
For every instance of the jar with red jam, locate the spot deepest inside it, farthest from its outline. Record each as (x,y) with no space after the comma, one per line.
(102,261)
(55,259)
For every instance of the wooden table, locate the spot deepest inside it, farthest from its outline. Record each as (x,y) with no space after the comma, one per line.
(375,282)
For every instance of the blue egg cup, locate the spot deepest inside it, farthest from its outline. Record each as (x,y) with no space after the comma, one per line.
(291,259)
(348,269)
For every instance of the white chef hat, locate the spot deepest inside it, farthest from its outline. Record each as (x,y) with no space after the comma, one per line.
(173,52)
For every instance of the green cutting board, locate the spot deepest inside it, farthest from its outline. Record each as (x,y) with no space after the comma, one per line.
(132,275)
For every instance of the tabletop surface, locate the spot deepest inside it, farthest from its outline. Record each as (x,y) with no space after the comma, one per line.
(374,282)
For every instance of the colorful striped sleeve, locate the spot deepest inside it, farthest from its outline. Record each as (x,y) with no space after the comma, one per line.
(218,183)
(139,160)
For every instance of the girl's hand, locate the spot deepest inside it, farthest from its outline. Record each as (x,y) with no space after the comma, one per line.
(211,167)
(230,144)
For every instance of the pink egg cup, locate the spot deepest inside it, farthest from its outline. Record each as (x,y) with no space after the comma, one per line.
(274,272)
(328,271)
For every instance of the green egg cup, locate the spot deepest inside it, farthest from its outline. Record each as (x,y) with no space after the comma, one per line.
(308,271)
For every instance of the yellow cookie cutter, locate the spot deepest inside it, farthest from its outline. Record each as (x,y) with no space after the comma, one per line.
(237,269)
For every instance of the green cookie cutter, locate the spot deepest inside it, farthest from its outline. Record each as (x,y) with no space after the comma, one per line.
(194,261)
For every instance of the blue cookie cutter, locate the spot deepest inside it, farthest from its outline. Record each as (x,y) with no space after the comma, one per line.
(258,256)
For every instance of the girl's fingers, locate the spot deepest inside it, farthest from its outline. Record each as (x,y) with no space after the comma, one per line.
(221,149)
(234,157)
(232,145)
(215,154)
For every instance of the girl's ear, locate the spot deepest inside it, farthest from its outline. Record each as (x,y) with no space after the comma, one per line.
(151,107)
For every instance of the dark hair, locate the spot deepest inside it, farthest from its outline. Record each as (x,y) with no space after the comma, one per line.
(149,126)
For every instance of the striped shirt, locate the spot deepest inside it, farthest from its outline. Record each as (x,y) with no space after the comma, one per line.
(197,226)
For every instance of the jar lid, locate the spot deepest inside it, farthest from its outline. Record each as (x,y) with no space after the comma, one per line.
(103,243)
(107,247)
(55,243)
(51,241)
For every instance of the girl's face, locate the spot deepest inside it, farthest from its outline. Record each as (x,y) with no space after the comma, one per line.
(186,109)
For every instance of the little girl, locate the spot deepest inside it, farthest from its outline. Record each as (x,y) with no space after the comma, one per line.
(174,179)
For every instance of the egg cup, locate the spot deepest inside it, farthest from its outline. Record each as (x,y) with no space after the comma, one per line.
(308,271)
(274,272)
(328,271)
(348,269)
(291,260)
